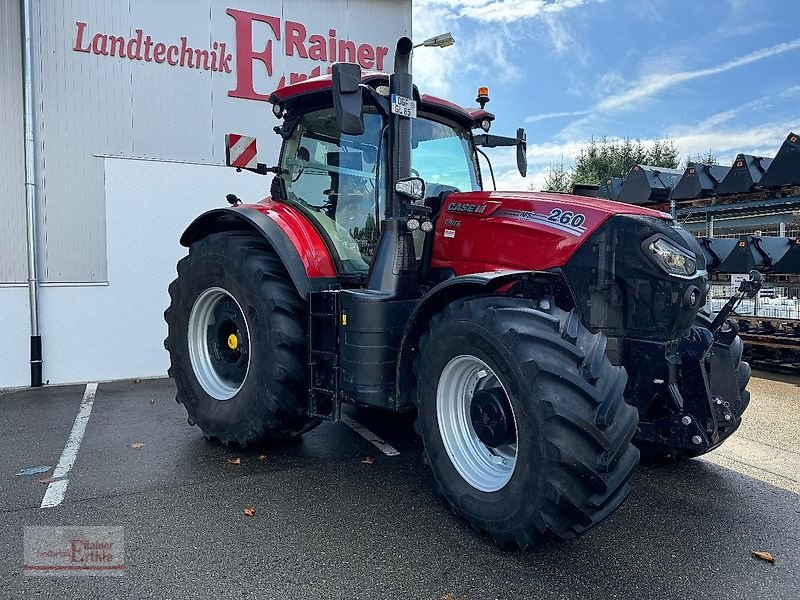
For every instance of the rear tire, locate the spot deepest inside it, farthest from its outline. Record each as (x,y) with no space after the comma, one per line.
(572,458)
(248,393)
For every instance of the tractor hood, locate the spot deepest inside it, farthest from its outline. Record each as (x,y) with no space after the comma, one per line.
(604,249)
(498,230)
(486,231)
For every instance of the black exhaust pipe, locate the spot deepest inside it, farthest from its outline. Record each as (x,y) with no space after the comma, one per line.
(394,268)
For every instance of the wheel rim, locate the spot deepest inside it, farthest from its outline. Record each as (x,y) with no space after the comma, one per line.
(219,343)
(485,468)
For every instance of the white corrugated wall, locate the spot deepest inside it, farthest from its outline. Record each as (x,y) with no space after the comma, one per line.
(12,157)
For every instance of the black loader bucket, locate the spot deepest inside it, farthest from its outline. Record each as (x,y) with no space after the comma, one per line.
(747,254)
(785,167)
(649,185)
(745,174)
(786,259)
(610,188)
(699,181)
(590,190)
(716,250)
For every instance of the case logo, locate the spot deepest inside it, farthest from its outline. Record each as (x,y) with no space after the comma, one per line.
(466,207)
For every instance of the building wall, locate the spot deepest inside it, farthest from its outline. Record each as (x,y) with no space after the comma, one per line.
(93,104)
(12,158)
(116,331)
(109,221)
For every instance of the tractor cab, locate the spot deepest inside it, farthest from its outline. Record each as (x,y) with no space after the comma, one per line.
(341,160)
(340,180)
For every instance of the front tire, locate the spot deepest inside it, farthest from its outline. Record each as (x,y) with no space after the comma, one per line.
(237,342)
(561,457)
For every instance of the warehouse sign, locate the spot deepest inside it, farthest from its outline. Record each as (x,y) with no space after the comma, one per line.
(291,37)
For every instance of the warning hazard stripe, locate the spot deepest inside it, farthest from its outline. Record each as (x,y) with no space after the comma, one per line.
(242,152)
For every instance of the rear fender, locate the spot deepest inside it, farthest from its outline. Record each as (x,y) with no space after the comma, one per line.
(300,248)
(475,284)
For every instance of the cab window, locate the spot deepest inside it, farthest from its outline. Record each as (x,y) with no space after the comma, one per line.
(335,177)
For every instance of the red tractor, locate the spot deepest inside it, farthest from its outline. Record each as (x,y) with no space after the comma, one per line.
(542,339)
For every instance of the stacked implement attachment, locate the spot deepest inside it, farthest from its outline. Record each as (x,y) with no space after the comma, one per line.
(745,174)
(649,185)
(699,181)
(610,188)
(766,254)
(785,167)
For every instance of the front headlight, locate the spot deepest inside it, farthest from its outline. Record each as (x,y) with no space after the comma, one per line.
(672,259)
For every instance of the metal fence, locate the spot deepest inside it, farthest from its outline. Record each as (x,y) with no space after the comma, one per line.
(774,302)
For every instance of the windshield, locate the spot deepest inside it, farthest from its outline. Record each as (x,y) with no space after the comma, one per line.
(442,156)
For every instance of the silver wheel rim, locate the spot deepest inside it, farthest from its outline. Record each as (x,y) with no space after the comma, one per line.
(218,370)
(484,468)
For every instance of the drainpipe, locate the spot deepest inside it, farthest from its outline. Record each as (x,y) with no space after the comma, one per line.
(30,194)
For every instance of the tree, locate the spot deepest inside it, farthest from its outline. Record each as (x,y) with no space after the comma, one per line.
(706,158)
(604,158)
(557,178)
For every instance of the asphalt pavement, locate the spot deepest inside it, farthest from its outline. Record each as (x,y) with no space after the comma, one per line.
(335,517)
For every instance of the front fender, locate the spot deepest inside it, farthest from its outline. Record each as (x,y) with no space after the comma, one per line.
(464,286)
(300,248)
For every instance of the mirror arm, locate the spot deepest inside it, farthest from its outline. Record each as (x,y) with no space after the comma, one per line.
(495,141)
(262,169)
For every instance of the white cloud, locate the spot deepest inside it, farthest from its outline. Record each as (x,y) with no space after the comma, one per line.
(555,115)
(496,11)
(433,68)
(761,140)
(481,47)
(437,71)
(653,83)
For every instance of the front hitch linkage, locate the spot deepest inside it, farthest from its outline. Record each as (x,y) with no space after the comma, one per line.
(747,289)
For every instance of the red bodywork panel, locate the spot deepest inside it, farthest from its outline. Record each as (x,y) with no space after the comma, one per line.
(491,231)
(312,249)
(481,231)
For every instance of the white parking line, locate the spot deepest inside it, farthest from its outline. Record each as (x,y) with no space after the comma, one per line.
(56,489)
(387,449)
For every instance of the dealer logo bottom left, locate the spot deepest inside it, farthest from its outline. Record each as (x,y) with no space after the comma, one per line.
(60,551)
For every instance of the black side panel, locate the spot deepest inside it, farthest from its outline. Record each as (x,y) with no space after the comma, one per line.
(372,326)
(244,218)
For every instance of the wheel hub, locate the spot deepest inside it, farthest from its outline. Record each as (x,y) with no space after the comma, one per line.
(491,417)
(476,423)
(219,344)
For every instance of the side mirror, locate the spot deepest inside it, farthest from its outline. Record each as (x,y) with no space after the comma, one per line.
(522,152)
(348,103)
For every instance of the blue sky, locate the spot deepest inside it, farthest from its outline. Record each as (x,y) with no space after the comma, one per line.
(719,75)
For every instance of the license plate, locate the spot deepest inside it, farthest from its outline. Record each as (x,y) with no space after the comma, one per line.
(405,107)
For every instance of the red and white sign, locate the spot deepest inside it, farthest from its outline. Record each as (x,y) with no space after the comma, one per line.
(240,151)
